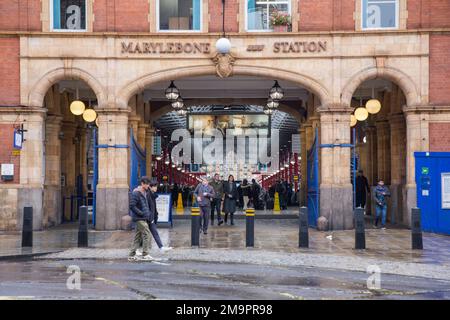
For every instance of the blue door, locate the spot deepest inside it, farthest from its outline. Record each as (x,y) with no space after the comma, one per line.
(313,181)
(433,190)
(138,162)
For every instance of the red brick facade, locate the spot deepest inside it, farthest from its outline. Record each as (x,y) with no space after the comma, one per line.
(216,18)
(439,137)
(428,14)
(439,69)
(9,72)
(23,15)
(121,16)
(6,156)
(326,15)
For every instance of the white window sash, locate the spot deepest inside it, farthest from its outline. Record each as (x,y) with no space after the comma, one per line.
(397,17)
(68,30)
(179,30)
(288,2)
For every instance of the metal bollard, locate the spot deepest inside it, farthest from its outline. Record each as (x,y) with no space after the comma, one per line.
(83,228)
(195,227)
(250,227)
(303,236)
(27,228)
(360,236)
(416,229)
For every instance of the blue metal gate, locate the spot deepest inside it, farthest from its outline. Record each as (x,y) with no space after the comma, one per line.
(433,190)
(138,162)
(313,181)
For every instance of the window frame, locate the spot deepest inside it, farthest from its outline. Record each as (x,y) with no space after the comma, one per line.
(52,29)
(397,18)
(181,30)
(289,2)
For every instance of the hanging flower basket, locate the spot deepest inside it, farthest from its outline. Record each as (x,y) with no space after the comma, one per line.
(280,21)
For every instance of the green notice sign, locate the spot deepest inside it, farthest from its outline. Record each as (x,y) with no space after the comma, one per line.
(425,170)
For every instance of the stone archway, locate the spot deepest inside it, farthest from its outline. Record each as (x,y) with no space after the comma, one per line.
(140,84)
(391,138)
(409,88)
(36,95)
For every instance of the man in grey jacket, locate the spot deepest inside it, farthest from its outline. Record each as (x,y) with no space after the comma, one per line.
(204,193)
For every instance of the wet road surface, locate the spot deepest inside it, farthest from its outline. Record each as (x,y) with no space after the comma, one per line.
(120,279)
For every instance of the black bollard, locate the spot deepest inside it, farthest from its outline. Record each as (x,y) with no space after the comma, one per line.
(27,228)
(416,229)
(250,227)
(195,227)
(360,236)
(83,228)
(303,236)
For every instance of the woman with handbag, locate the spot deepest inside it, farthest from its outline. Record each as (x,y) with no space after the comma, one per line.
(230,198)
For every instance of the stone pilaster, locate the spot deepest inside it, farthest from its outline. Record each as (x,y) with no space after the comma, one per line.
(417,136)
(52,184)
(398,165)
(336,196)
(32,172)
(112,188)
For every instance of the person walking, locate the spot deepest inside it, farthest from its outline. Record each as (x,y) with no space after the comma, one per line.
(153,219)
(204,193)
(231,196)
(140,213)
(381,192)
(361,186)
(246,191)
(216,203)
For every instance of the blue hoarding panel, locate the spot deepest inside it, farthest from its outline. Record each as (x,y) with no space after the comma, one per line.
(433,190)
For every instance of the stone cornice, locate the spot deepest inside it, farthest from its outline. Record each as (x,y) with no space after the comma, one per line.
(426,109)
(217,35)
(22,109)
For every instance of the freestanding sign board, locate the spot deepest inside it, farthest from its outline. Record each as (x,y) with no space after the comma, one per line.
(164,207)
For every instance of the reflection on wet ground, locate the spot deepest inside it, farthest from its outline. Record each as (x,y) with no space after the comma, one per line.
(272,235)
(200,280)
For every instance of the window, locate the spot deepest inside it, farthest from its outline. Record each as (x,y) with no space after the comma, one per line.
(380,14)
(68,15)
(179,15)
(259,12)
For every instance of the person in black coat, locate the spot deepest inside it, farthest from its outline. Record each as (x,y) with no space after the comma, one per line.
(362,185)
(230,198)
(153,219)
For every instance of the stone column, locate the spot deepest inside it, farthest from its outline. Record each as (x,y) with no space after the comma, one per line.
(383,151)
(149,149)
(398,165)
(336,196)
(417,137)
(141,135)
(68,162)
(112,188)
(32,172)
(371,168)
(52,185)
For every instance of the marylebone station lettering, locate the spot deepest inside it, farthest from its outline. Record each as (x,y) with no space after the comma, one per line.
(186,149)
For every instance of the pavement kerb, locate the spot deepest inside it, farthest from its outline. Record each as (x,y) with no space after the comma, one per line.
(26,256)
(323,261)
